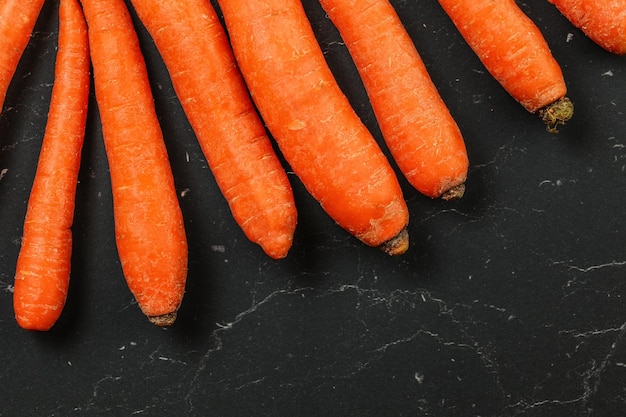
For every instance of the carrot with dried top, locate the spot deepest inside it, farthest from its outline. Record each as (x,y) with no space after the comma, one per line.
(43,265)
(17,21)
(149,227)
(603,21)
(416,124)
(316,129)
(514,51)
(205,76)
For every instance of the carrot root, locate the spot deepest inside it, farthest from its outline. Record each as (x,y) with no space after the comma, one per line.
(211,90)
(319,133)
(17,21)
(42,271)
(421,134)
(602,21)
(149,227)
(514,51)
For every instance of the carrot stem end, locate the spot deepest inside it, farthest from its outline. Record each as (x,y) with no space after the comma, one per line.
(397,245)
(557,114)
(163,320)
(454,193)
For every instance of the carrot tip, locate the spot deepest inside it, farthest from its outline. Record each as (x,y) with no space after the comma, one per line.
(557,113)
(397,245)
(454,193)
(163,320)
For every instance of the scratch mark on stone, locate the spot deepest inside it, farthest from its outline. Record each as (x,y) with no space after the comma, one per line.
(592,267)
(216,336)
(248,384)
(591,333)
(593,377)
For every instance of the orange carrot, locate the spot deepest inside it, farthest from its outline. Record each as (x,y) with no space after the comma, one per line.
(603,21)
(43,264)
(418,128)
(149,227)
(17,21)
(317,130)
(514,51)
(196,51)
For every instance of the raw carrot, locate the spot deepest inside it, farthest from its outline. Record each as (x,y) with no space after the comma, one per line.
(17,21)
(514,51)
(416,124)
(603,21)
(318,132)
(43,265)
(205,76)
(149,227)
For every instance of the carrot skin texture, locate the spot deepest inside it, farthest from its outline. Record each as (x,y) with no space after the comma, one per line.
(43,265)
(511,47)
(416,124)
(603,21)
(197,53)
(316,129)
(149,228)
(17,21)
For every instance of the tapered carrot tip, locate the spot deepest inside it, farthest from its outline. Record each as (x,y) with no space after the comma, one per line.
(454,193)
(397,245)
(164,320)
(557,113)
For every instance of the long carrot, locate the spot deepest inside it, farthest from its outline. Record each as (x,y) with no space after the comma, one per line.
(316,129)
(149,227)
(514,51)
(196,51)
(43,264)
(603,21)
(417,126)
(17,21)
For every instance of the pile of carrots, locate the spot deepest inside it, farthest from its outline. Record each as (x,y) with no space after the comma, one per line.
(259,78)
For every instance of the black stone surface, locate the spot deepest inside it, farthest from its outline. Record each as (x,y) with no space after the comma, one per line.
(509,302)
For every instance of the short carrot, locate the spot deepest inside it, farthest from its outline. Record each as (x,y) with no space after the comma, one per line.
(514,51)
(149,228)
(603,21)
(416,124)
(318,132)
(17,21)
(43,264)
(205,76)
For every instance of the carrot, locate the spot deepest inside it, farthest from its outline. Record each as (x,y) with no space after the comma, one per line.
(514,51)
(317,131)
(17,21)
(603,21)
(43,264)
(149,227)
(196,51)
(418,128)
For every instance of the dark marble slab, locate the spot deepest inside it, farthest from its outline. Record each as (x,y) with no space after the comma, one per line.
(509,302)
